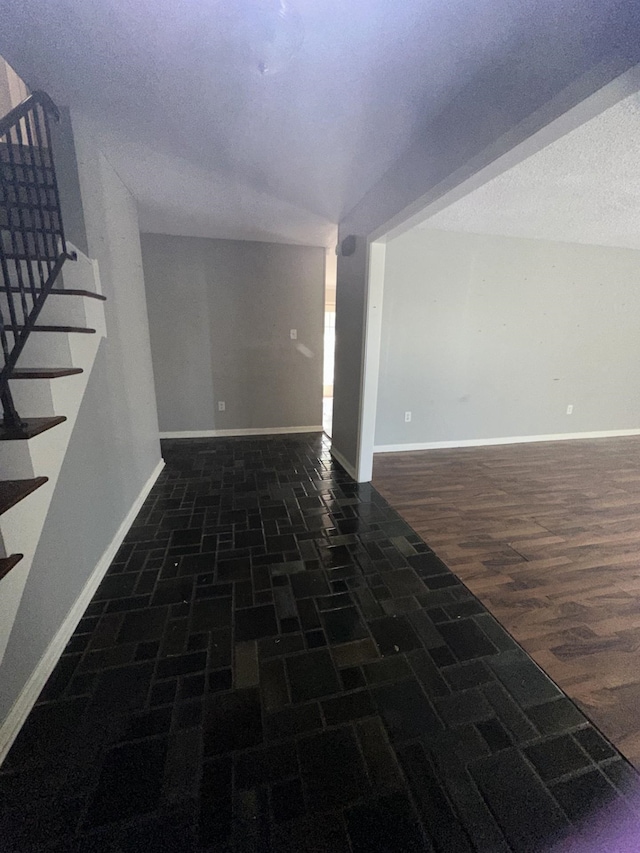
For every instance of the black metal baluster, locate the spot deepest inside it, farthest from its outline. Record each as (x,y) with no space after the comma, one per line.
(13,212)
(39,173)
(30,196)
(11,418)
(3,253)
(4,202)
(25,230)
(5,275)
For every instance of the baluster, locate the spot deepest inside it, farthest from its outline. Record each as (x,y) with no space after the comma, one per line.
(39,173)
(33,233)
(14,212)
(30,182)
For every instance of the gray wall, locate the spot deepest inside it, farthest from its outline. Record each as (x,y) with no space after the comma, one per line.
(114,446)
(220,313)
(501,107)
(492,337)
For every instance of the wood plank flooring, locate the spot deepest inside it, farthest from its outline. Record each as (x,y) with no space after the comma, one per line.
(548,537)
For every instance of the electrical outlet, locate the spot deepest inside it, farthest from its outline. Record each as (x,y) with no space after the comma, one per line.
(222,406)
(570,409)
(293,334)
(407,417)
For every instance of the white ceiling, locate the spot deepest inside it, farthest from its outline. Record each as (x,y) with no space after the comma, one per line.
(583,188)
(211,148)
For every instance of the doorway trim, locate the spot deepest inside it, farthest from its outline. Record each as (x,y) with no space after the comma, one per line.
(371,359)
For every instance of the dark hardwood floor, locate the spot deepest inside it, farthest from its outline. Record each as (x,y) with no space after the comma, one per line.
(548,537)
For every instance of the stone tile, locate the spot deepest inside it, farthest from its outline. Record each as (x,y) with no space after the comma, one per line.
(130,783)
(468,706)
(432,802)
(594,744)
(274,689)
(232,721)
(311,675)
(220,679)
(121,690)
(342,709)
(344,625)
(327,831)
(427,673)
(293,721)
(311,583)
(495,735)
(556,757)
(246,665)
(386,825)
(256,622)
(394,634)
(333,772)
(466,640)
(351,654)
(216,798)
(556,716)
(585,796)
(523,679)
(379,756)
(406,710)
(526,812)
(266,766)
(387,669)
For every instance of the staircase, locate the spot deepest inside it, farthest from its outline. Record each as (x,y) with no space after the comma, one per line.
(51,324)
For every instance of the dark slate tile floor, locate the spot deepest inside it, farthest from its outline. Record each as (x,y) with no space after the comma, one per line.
(275,661)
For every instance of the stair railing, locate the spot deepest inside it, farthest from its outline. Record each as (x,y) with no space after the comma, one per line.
(32,242)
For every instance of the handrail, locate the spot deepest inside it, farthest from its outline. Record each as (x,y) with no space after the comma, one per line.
(19,112)
(32,242)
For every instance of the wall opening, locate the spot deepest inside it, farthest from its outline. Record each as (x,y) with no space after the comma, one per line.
(329,341)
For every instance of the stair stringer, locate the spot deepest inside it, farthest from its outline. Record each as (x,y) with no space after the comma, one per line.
(22,525)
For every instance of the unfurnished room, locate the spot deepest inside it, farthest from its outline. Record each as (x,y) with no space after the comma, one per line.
(319,479)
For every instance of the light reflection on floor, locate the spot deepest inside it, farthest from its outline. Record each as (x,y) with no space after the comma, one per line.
(327,414)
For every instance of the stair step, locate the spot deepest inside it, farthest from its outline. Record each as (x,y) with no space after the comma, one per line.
(60,291)
(32,426)
(7,563)
(80,329)
(44,372)
(13,491)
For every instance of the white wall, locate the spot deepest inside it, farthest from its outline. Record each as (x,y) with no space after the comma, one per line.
(114,447)
(486,337)
(12,88)
(220,313)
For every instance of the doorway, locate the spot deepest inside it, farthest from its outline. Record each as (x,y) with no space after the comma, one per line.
(329,341)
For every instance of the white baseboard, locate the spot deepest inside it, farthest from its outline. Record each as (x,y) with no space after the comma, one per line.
(516,439)
(340,459)
(228,433)
(26,700)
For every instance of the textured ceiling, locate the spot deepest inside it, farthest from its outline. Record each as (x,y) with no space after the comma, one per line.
(583,188)
(211,148)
